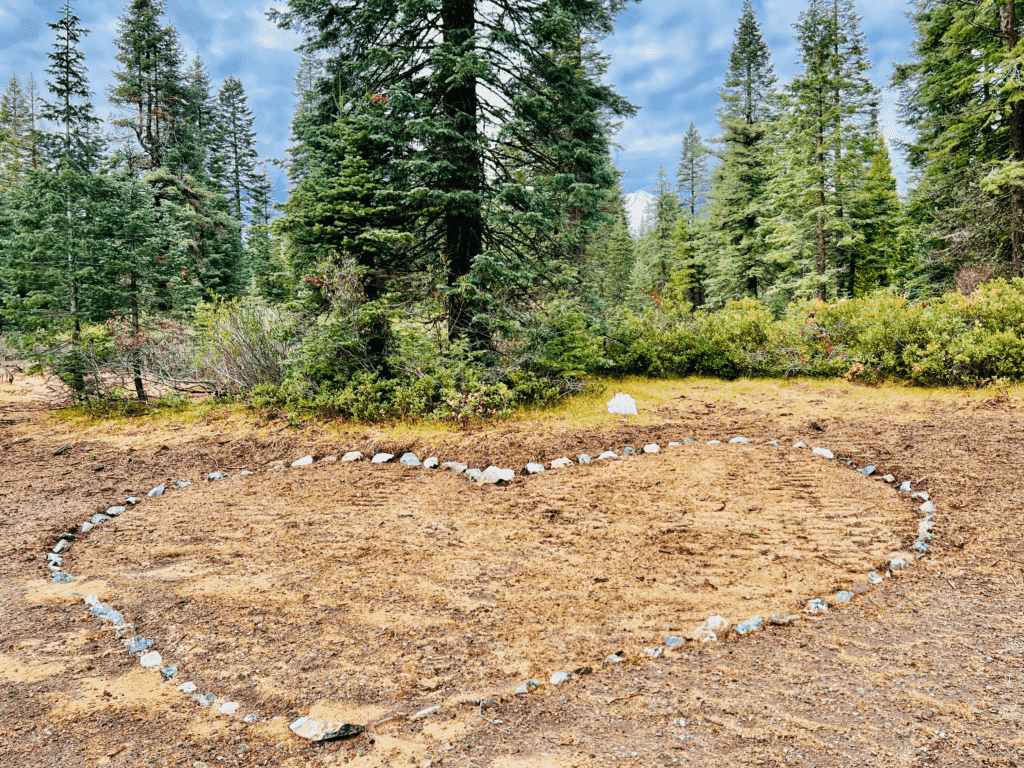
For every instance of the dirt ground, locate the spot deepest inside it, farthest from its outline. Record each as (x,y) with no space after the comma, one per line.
(367,593)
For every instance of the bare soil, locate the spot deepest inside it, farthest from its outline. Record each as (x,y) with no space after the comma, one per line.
(360,593)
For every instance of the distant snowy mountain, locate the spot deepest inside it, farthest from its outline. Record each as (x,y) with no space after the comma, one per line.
(636,209)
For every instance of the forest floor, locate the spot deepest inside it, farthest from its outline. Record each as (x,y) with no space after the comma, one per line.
(366,593)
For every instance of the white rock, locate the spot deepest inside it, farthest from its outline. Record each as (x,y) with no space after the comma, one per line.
(61,546)
(151,660)
(229,708)
(189,687)
(425,713)
(494,475)
(621,404)
(740,440)
(928,506)
(801,444)
(889,478)
(584,459)
(112,511)
(898,564)
(352,456)
(717,624)
(533,469)
(651,448)
(305,461)
(920,496)
(382,458)
(563,463)
(608,455)
(714,442)
(454,466)
(702,635)
(318,730)
(824,452)
(816,605)
(86,526)
(132,500)
(673,445)
(561,677)
(431,463)
(654,652)
(925,526)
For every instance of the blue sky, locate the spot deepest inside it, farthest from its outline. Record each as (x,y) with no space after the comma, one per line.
(666,57)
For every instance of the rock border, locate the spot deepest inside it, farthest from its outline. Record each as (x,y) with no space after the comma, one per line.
(716,627)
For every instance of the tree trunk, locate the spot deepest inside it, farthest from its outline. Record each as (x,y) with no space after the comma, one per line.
(1010,37)
(136,363)
(463,218)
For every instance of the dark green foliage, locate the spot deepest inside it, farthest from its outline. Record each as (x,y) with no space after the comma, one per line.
(692,174)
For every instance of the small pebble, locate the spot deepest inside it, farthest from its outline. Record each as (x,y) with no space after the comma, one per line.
(132,500)
(115,511)
(151,660)
(824,452)
(189,687)
(920,496)
(425,713)
(252,717)
(182,484)
(169,671)
(305,461)
(62,578)
(753,624)
(86,526)
(689,441)
(782,620)
(158,491)
(614,659)
(563,463)
(905,486)
(352,456)
(740,440)
(217,476)
(533,469)
(651,448)
(628,451)
(561,677)
(714,442)
(98,518)
(454,466)
(773,443)
(801,444)
(608,455)
(584,459)
(843,596)
(526,687)
(654,652)
(204,699)
(474,474)
(898,564)
(816,605)
(410,460)
(928,506)
(382,458)
(888,478)
(138,644)
(431,463)
(918,546)
(868,470)
(874,578)
(228,708)
(673,641)
(673,445)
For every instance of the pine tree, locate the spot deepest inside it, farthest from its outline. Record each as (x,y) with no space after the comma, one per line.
(497,189)
(237,143)
(732,243)
(148,86)
(692,173)
(196,130)
(829,113)
(963,96)
(612,254)
(15,133)
(656,255)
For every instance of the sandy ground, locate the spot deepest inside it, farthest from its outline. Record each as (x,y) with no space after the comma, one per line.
(359,593)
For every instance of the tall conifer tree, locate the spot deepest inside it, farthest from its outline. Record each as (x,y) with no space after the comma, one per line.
(237,143)
(692,174)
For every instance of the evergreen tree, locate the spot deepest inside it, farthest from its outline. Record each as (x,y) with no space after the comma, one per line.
(148,86)
(612,255)
(497,188)
(692,173)
(15,133)
(829,115)
(963,96)
(732,246)
(657,253)
(196,131)
(71,110)
(237,143)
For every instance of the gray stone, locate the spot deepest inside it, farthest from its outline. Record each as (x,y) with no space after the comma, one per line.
(608,455)
(54,558)
(888,478)
(188,687)
(62,546)
(305,461)
(673,641)
(169,671)
(53,568)
(898,564)
(68,536)
(474,474)
(526,687)
(454,466)
(352,456)
(740,441)
(782,620)
(132,500)
(920,546)
(61,578)
(905,486)
(104,611)
(319,730)
(816,605)
(925,526)
(98,518)
(86,527)
(563,463)
(217,476)
(561,677)
(651,448)
(925,537)
(920,496)
(380,458)
(252,717)
(928,506)
(138,644)
(204,699)
(495,476)
(613,659)
(628,451)
(773,443)
(431,463)
(182,484)
(158,491)
(533,469)
(874,578)
(843,596)
(584,459)
(689,441)
(115,511)
(410,460)
(753,624)
(824,453)
(654,652)
(868,470)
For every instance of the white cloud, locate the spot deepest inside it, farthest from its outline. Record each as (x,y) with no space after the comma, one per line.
(269,35)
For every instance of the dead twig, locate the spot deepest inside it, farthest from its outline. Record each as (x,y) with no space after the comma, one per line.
(558,743)
(630,696)
(837,565)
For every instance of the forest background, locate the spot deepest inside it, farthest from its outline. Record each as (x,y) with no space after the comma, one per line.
(455,241)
